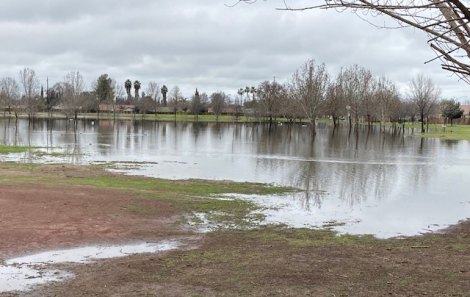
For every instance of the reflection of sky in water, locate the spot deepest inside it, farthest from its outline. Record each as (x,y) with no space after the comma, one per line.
(377,182)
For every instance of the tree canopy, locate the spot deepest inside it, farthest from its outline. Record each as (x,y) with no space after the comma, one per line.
(451,110)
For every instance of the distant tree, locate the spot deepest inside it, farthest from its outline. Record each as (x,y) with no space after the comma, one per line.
(290,107)
(451,110)
(72,99)
(309,84)
(176,99)
(270,96)
(424,95)
(164,91)
(334,100)
(121,94)
(145,105)
(30,88)
(104,91)
(357,89)
(218,101)
(240,93)
(253,92)
(128,87)
(386,96)
(88,101)
(136,89)
(153,91)
(196,105)
(10,94)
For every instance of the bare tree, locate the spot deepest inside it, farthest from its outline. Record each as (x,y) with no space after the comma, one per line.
(176,98)
(153,91)
(121,93)
(386,96)
(290,107)
(270,95)
(30,88)
(218,101)
(447,23)
(309,85)
(424,95)
(72,100)
(356,87)
(335,105)
(10,94)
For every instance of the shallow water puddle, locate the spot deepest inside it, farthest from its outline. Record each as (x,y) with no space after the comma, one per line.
(23,273)
(398,217)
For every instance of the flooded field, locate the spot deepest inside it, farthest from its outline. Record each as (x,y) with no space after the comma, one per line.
(367,182)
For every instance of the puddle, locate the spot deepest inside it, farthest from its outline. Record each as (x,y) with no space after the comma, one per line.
(316,211)
(23,273)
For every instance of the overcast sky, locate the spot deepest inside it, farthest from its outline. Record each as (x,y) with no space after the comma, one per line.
(203,43)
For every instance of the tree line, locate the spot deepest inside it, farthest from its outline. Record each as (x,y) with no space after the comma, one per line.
(353,94)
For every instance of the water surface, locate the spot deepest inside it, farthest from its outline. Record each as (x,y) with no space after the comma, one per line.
(381,183)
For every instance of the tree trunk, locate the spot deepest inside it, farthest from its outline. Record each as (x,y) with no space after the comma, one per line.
(422,123)
(313,127)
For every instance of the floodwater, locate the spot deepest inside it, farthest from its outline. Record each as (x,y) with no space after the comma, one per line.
(359,182)
(23,273)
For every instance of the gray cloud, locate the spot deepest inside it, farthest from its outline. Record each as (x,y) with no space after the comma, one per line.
(202,43)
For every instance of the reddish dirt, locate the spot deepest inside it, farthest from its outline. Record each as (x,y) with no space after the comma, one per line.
(36,217)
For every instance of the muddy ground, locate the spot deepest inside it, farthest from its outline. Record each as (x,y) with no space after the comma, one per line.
(270,261)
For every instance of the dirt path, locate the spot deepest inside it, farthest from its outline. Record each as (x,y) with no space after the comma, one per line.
(34,218)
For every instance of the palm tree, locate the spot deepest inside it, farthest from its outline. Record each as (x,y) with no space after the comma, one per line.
(164,90)
(253,92)
(128,86)
(137,88)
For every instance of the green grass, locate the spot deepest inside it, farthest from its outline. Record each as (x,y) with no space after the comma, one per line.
(12,149)
(188,187)
(456,132)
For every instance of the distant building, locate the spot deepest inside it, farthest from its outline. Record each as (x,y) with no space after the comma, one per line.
(117,107)
(466,110)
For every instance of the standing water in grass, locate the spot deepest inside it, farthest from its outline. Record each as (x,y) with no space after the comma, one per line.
(362,182)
